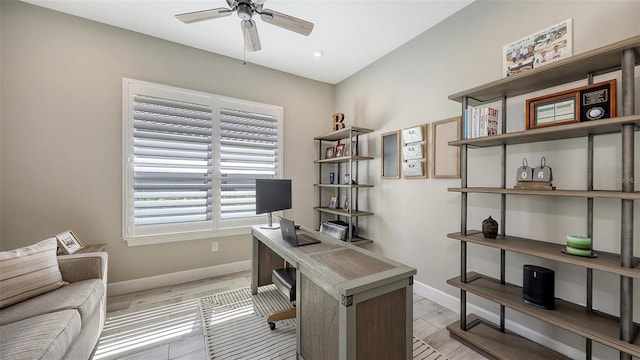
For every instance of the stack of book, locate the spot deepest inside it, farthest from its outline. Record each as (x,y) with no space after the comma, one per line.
(480,122)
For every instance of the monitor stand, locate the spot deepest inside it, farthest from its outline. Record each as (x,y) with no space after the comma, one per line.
(270,224)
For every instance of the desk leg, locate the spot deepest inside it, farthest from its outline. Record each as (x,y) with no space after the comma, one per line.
(255,266)
(263,261)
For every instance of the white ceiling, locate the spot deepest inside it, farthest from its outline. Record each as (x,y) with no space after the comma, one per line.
(351,33)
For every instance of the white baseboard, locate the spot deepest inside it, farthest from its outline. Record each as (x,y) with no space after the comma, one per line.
(151,282)
(453,303)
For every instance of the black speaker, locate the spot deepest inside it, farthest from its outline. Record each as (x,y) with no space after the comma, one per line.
(538,286)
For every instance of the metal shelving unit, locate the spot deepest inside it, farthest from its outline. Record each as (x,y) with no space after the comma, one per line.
(350,165)
(621,332)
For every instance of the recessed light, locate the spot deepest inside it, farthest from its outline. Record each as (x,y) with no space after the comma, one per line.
(318,53)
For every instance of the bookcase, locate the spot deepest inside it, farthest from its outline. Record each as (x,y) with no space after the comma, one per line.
(342,165)
(618,332)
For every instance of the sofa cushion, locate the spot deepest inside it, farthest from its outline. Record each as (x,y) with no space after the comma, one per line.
(29,271)
(83,296)
(47,336)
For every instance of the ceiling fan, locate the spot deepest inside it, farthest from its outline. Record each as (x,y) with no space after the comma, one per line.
(246,9)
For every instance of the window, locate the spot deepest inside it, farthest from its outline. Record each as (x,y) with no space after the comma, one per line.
(191,160)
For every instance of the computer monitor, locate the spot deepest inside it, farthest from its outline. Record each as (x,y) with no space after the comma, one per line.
(272,195)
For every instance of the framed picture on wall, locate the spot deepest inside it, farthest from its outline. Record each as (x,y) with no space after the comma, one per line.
(391,155)
(414,152)
(446,159)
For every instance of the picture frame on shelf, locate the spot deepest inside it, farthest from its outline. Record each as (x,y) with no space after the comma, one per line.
(347,179)
(538,49)
(585,103)
(339,150)
(68,243)
(351,148)
(333,202)
(391,155)
(446,159)
(347,205)
(329,152)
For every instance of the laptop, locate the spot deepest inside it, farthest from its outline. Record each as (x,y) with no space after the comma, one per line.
(288,229)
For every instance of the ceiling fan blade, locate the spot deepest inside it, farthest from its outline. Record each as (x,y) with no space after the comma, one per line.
(286,22)
(201,15)
(250,32)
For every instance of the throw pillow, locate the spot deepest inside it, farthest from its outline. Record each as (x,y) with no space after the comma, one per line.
(29,271)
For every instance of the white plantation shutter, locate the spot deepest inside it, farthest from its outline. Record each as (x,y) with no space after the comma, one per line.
(191,160)
(248,151)
(172,161)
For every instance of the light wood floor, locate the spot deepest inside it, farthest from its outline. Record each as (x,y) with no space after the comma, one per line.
(165,324)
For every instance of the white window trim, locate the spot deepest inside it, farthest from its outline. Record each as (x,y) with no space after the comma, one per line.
(185,232)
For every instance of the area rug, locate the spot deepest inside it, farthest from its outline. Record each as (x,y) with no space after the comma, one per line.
(235,327)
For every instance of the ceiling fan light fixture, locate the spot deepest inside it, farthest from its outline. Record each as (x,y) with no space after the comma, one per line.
(244,11)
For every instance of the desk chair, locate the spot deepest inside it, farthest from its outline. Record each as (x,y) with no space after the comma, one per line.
(285,280)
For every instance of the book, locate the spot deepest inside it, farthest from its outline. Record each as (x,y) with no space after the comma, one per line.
(479,122)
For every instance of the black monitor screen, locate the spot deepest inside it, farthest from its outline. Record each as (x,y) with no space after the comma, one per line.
(272,195)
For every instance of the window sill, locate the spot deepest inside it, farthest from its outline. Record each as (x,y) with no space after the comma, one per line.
(170,238)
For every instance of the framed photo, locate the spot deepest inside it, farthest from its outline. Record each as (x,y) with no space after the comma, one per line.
(347,179)
(586,103)
(347,205)
(333,202)
(351,148)
(446,159)
(391,155)
(329,153)
(340,150)
(68,242)
(543,47)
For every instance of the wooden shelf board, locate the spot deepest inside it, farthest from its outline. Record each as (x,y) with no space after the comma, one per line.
(604,262)
(343,159)
(581,129)
(341,212)
(573,68)
(485,339)
(343,133)
(600,194)
(568,316)
(344,185)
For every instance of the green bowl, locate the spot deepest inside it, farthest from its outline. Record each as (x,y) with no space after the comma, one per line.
(579,242)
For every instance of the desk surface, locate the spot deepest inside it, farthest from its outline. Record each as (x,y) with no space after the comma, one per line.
(337,266)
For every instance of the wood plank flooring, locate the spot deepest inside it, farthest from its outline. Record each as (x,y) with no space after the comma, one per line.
(165,324)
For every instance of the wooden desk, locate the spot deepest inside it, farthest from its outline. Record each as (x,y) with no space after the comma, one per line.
(351,303)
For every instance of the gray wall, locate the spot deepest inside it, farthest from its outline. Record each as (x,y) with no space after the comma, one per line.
(62,133)
(410,87)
